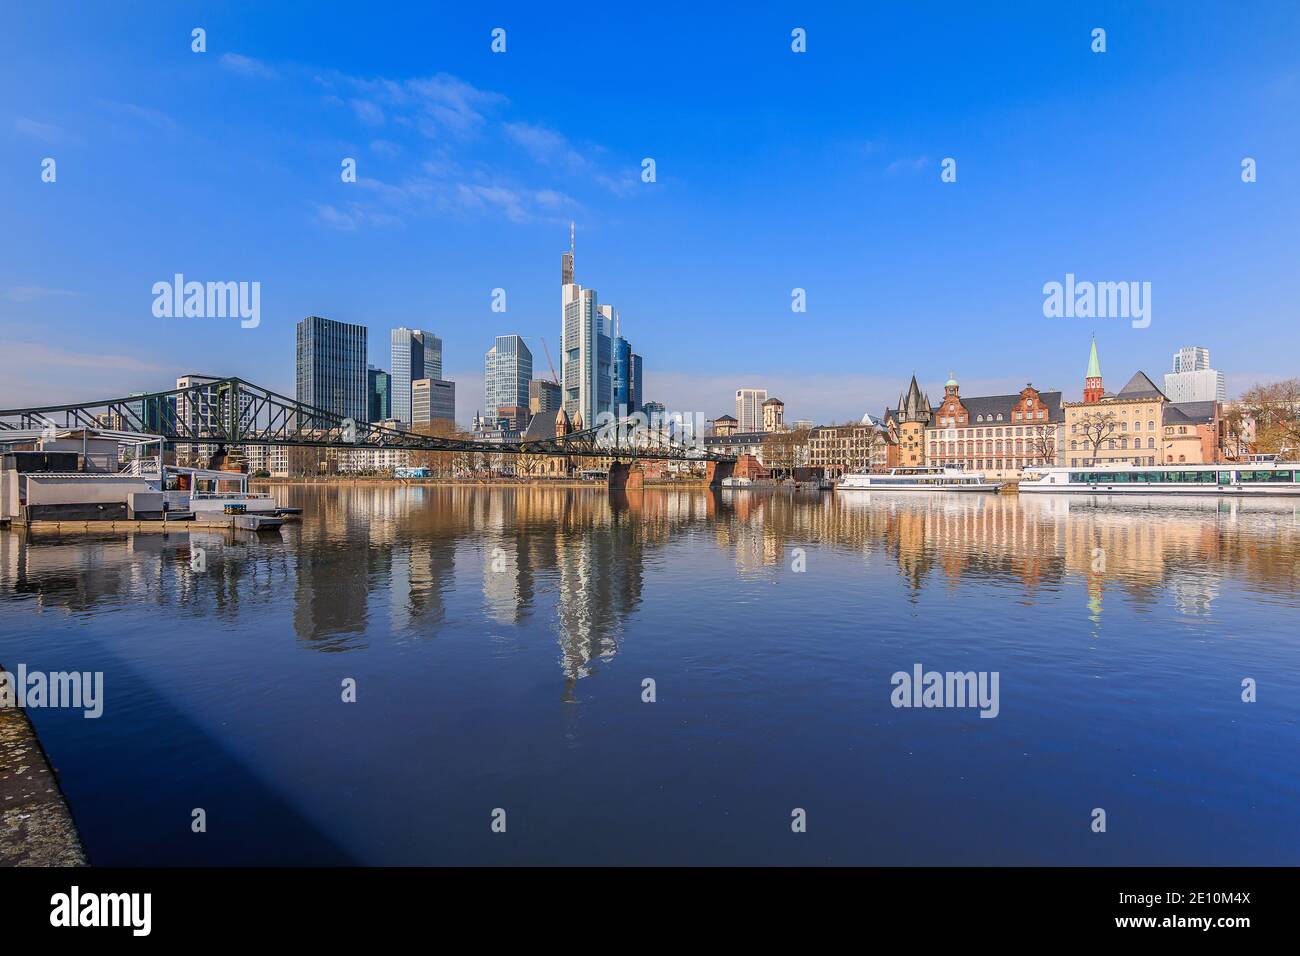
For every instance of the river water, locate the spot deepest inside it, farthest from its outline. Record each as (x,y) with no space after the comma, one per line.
(500,641)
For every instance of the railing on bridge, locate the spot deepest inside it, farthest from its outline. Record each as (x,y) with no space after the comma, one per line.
(232,412)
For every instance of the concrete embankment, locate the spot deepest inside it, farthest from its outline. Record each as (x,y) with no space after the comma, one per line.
(36,828)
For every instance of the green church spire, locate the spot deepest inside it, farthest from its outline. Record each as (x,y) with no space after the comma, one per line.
(1094,366)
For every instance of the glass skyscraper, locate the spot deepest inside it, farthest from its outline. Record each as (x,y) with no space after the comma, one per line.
(332,367)
(599,370)
(507,370)
(379,388)
(415,355)
(627,378)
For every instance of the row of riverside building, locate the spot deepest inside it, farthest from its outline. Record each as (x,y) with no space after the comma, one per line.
(1001,435)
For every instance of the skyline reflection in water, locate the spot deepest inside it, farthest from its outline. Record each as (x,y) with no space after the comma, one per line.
(499,638)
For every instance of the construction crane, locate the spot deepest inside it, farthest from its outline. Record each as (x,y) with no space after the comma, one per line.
(554,378)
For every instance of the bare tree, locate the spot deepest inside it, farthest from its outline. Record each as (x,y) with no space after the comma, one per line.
(1042,443)
(1238,433)
(781,450)
(1097,427)
(1275,409)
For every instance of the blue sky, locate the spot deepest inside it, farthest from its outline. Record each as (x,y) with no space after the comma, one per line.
(775,170)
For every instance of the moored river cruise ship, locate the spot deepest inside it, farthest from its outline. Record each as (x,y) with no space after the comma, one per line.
(917,479)
(1235,478)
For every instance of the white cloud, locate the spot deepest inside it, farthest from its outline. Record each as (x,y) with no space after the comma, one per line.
(908,165)
(46,132)
(367,112)
(141,114)
(246,66)
(546,145)
(434,105)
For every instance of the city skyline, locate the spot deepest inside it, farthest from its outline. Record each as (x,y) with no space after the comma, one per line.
(468,177)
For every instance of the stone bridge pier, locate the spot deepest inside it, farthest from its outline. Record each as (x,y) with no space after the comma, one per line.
(718,470)
(626,476)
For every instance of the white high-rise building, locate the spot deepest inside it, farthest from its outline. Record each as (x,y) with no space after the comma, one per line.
(507,370)
(749,409)
(1191,358)
(415,355)
(1192,379)
(586,350)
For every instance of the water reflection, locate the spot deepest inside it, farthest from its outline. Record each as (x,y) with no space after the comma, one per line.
(380,563)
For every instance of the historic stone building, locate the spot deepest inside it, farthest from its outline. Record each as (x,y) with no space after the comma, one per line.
(998,435)
(724,426)
(773,415)
(906,426)
(1138,425)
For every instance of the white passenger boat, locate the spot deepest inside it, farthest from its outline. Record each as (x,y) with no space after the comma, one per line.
(1237,478)
(917,479)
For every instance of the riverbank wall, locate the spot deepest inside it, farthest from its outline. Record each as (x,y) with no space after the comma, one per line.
(36,827)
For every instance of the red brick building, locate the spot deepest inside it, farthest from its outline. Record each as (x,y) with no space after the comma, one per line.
(998,435)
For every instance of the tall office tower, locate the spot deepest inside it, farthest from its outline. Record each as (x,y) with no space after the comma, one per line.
(332,367)
(432,400)
(379,391)
(749,409)
(543,396)
(586,350)
(634,388)
(507,370)
(1191,358)
(1193,380)
(622,375)
(414,355)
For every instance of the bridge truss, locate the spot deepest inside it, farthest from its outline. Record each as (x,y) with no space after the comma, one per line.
(232,412)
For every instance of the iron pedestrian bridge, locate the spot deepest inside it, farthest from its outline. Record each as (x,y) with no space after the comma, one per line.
(231,411)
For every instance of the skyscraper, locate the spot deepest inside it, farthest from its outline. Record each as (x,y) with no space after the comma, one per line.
(749,408)
(586,350)
(1192,379)
(507,370)
(622,374)
(543,396)
(379,389)
(432,400)
(1191,358)
(414,355)
(634,388)
(332,367)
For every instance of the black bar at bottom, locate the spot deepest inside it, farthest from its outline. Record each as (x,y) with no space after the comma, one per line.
(335,905)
